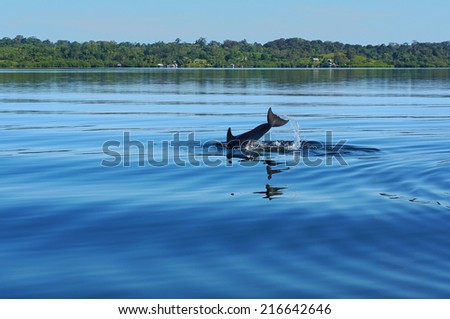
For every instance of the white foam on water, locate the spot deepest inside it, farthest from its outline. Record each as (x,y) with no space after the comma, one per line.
(297,140)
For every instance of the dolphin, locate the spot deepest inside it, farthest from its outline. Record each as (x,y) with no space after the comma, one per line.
(273,120)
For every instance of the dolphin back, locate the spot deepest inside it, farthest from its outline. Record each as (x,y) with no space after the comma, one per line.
(230,136)
(274,120)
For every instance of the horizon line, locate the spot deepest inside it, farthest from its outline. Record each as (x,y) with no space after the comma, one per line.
(179,41)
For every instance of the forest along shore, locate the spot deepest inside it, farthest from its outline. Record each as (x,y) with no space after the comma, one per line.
(22,52)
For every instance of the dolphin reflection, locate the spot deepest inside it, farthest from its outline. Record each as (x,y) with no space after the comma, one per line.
(271,191)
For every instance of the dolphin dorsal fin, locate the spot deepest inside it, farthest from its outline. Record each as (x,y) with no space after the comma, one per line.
(230,137)
(274,120)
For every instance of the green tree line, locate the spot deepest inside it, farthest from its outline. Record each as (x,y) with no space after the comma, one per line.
(22,52)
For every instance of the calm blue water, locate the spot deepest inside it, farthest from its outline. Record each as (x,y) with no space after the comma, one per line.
(284,224)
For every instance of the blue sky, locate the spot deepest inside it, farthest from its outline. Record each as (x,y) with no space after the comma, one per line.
(348,21)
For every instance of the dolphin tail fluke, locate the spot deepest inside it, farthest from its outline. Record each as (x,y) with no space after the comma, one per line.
(230,137)
(274,120)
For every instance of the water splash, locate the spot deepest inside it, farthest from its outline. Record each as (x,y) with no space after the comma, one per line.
(297,140)
(278,145)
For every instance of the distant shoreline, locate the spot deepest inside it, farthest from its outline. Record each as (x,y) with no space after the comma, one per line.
(32,53)
(3,69)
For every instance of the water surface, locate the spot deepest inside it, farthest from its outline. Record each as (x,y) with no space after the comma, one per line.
(285,224)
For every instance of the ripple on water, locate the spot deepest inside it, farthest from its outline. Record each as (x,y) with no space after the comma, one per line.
(373,226)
